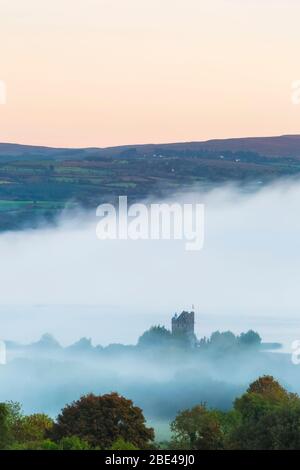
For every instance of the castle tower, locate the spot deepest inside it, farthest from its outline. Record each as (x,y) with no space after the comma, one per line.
(184,324)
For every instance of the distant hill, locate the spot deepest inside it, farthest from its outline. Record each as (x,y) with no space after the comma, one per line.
(278,146)
(37,183)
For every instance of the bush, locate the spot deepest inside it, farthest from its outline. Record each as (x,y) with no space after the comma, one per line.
(73,443)
(121,444)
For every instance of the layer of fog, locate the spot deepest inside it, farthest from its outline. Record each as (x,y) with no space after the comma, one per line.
(65,281)
(161,381)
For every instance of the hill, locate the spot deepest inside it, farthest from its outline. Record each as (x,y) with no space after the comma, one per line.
(38,182)
(278,146)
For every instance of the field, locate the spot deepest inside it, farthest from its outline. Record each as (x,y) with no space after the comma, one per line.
(38,182)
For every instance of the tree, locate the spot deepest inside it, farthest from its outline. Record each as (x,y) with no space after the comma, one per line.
(155,336)
(120,444)
(269,417)
(101,420)
(14,411)
(67,443)
(32,428)
(250,339)
(272,428)
(5,430)
(73,443)
(197,428)
(283,427)
(46,444)
(10,415)
(222,342)
(267,387)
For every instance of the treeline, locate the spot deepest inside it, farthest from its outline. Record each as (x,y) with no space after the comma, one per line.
(91,423)
(266,417)
(162,337)
(156,337)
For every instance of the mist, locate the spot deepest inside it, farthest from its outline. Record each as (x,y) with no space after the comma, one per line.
(65,281)
(44,377)
(62,280)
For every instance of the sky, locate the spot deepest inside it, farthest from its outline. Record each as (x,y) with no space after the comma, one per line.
(109,72)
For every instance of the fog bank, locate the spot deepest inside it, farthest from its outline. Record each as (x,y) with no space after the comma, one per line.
(64,280)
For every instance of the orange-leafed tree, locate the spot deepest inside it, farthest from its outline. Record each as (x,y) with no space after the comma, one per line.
(101,420)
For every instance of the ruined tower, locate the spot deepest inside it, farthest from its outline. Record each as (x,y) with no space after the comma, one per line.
(184,324)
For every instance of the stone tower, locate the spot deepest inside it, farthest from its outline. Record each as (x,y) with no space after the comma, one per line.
(184,324)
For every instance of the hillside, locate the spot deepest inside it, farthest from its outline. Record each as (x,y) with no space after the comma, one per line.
(278,146)
(37,182)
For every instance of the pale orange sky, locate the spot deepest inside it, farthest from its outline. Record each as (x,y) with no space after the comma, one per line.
(110,72)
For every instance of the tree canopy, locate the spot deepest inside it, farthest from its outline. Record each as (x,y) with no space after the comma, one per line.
(197,428)
(101,420)
(155,336)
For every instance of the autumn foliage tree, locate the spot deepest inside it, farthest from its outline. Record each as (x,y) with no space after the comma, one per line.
(102,420)
(267,387)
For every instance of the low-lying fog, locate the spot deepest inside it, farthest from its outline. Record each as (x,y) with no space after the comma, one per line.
(65,281)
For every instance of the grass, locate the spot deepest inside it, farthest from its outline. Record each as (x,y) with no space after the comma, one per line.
(6,205)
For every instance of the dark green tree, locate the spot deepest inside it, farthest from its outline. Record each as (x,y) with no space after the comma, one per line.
(5,429)
(249,339)
(197,428)
(269,417)
(10,415)
(156,336)
(222,342)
